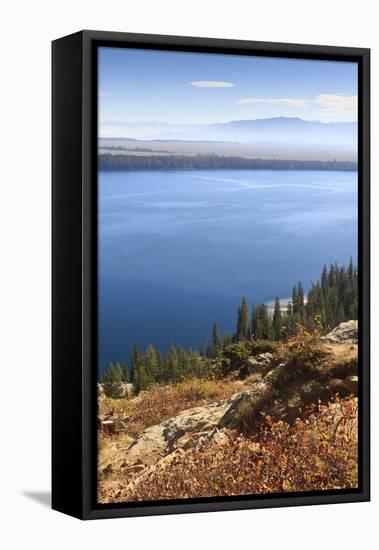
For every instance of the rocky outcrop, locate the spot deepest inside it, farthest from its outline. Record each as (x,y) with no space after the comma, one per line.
(344,333)
(287,387)
(260,364)
(148,448)
(186,430)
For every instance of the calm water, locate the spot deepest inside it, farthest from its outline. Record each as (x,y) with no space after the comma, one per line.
(177,250)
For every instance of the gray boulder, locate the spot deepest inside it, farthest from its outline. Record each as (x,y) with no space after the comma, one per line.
(182,431)
(259,364)
(344,333)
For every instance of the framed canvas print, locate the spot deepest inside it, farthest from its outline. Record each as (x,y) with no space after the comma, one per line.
(210,274)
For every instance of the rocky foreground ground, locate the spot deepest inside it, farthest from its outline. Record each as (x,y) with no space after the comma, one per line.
(285,424)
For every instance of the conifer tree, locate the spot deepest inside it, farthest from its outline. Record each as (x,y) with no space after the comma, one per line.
(300,302)
(350,269)
(172,364)
(277,320)
(217,344)
(152,363)
(324,280)
(141,379)
(112,382)
(227,339)
(243,325)
(262,324)
(123,370)
(135,360)
(294,299)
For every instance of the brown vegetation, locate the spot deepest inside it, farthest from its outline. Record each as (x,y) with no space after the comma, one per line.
(291,425)
(318,452)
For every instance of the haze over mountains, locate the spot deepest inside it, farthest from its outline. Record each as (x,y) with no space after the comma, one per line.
(280,137)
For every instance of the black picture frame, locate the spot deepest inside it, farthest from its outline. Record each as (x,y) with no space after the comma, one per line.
(74,272)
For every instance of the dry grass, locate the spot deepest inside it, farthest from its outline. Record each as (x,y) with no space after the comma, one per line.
(109,446)
(319,452)
(160,403)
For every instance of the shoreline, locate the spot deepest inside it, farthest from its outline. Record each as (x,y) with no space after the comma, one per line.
(110,162)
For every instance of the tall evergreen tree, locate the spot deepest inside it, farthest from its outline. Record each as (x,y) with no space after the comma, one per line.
(350,269)
(135,360)
(294,299)
(112,382)
(141,379)
(172,364)
(300,302)
(324,280)
(123,370)
(243,325)
(262,324)
(277,320)
(227,339)
(152,363)
(217,343)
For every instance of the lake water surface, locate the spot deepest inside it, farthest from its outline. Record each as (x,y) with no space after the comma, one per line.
(177,250)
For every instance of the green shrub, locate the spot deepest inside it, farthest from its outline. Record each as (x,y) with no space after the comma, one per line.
(263,346)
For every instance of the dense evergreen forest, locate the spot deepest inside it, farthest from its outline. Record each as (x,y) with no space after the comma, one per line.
(330,301)
(116,162)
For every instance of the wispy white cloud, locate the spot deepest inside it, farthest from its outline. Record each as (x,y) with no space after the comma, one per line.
(212,84)
(338,103)
(277,101)
(325,107)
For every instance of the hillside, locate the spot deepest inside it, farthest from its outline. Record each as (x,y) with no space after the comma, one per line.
(284,420)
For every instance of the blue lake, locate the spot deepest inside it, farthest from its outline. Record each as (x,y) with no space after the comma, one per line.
(177,250)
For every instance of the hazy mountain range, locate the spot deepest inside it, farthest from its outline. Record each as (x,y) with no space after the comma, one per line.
(276,137)
(245,131)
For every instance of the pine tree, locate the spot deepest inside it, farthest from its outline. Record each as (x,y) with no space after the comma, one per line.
(209,351)
(135,360)
(277,320)
(243,325)
(112,382)
(262,324)
(324,280)
(294,299)
(141,379)
(227,339)
(350,269)
(217,344)
(123,370)
(152,363)
(334,298)
(300,302)
(172,364)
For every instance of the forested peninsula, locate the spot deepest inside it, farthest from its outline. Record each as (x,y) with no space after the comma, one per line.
(109,162)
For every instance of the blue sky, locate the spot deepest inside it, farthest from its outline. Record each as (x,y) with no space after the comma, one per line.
(181,87)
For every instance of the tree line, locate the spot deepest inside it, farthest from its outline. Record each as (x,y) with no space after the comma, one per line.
(117,162)
(331,300)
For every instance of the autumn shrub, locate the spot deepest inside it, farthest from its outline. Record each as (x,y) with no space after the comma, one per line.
(304,351)
(318,452)
(115,407)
